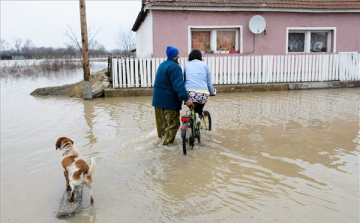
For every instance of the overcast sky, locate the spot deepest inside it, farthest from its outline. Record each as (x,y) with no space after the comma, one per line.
(44,22)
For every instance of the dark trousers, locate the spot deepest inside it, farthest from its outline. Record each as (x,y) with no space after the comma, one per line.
(199,108)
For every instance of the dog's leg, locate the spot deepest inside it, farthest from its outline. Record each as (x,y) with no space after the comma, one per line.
(71,199)
(66,174)
(89,185)
(91,194)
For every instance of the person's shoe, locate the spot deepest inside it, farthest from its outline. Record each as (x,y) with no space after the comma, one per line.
(197,118)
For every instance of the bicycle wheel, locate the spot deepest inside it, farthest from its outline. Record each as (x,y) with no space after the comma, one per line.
(186,135)
(207,120)
(198,134)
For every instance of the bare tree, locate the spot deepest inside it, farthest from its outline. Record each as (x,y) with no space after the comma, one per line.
(17,44)
(27,46)
(74,36)
(95,48)
(70,50)
(125,40)
(3,45)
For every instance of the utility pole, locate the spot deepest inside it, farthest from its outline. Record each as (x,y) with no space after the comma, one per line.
(87,89)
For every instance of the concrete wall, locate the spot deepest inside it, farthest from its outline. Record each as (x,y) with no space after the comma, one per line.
(172,28)
(144,38)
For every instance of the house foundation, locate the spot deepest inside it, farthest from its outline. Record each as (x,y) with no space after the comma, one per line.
(132,92)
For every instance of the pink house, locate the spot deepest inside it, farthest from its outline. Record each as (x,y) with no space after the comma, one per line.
(221,27)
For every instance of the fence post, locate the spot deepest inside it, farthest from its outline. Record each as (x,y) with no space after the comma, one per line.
(217,71)
(256,70)
(252,69)
(221,70)
(264,73)
(114,72)
(136,72)
(145,73)
(132,75)
(149,72)
(236,70)
(306,75)
(153,73)
(281,68)
(212,68)
(240,70)
(141,70)
(229,70)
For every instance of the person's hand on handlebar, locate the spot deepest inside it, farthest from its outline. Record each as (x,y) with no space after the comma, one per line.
(189,102)
(214,94)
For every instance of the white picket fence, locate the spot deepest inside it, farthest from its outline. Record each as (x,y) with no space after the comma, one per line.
(137,72)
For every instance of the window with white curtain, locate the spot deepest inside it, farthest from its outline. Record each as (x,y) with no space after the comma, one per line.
(309,40)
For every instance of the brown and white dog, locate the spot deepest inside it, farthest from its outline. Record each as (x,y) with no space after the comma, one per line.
(75,167)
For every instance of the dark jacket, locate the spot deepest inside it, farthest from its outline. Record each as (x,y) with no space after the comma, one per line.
(169,88)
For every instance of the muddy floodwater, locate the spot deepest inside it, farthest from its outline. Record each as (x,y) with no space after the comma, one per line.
(289,156)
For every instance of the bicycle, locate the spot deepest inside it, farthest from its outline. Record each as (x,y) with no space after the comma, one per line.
(190,129)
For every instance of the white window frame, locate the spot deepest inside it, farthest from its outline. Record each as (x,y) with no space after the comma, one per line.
(213,36)
(307,31)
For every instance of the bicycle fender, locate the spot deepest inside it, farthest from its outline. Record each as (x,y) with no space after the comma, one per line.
(183,129)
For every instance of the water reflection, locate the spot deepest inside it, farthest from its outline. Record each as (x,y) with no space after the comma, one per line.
(89,115)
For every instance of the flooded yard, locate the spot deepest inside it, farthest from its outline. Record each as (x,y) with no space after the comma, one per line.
(288,156)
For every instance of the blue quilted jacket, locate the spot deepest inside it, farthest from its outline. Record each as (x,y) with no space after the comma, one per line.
(169,88)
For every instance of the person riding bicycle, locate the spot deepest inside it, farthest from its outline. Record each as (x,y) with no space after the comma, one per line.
(198,82)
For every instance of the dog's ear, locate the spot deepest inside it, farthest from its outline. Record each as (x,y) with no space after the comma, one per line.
(60,140)
(58,143)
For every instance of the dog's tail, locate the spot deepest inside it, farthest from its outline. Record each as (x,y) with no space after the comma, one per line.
(92,166)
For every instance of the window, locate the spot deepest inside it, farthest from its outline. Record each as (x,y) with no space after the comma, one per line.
(296,42)
(215,39)
(225,40)
(200,40)
(318,42)
(312,40)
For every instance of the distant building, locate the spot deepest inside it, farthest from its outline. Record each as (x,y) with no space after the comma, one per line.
(6,57)
(18,57)
(15,57)
(221,27)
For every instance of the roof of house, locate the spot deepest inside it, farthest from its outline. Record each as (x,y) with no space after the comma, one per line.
(246,4)
(294,4)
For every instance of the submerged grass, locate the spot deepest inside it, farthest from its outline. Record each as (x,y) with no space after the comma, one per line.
(36,67)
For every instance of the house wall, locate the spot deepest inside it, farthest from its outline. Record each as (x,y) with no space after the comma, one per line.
(171,28)
(144,38)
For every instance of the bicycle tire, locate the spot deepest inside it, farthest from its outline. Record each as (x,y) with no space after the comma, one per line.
(207,120)
(183,136)
(186,135)
(198,135)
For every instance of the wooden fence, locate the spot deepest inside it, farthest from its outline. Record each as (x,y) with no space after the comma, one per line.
(138,72)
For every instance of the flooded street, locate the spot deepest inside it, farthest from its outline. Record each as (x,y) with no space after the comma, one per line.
(287,156)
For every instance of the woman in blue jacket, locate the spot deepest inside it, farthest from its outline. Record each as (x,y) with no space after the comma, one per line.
(198,81)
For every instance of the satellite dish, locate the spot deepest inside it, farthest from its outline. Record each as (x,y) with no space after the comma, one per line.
(257,24)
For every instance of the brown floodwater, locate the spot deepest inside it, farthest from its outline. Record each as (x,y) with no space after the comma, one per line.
(289,156)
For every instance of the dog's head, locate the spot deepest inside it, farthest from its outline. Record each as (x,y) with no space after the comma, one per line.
(62,141)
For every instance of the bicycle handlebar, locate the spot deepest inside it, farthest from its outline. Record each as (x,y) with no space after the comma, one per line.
(214,92)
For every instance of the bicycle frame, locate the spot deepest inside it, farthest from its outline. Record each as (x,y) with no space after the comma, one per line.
(191,129)
(186,118)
